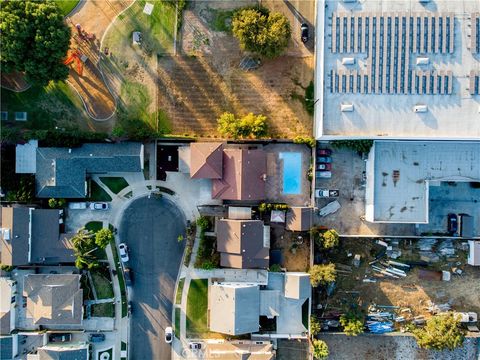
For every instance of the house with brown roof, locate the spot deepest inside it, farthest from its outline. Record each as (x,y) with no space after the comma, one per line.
(53,299)
(243,244)
(238,174)
(32,236)
(240,350)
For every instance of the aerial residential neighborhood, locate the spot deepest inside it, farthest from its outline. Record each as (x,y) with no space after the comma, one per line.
(240,179)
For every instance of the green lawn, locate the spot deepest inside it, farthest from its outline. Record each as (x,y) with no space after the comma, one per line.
(115,184)
(197,305)
(177,322)
(103,310)
(103,287)
(55,104)
(178,296)
(66,5)
(94,226)
(97,193)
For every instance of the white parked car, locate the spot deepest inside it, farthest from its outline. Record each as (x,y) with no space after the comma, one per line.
(123,249)
(168,335)
(99,206)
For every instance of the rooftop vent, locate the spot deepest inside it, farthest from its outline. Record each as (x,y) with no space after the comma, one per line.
(347,107)
(348,61)
(423,61)
(420,108)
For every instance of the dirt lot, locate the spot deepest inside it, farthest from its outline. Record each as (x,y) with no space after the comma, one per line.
(296,255)
(462,293)
(204,80)
(378,347)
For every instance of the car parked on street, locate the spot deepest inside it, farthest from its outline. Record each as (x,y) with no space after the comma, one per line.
(123,250)
(324,159)
(452,223)
(168,334)
(128,274)
(324,152)
(99,206)
(324,167)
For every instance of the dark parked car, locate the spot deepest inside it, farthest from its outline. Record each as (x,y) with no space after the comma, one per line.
(324,159)
(324,152)
(324,167)
(64,337)
(128,276)
(304,29)
(452,223)
(96,338)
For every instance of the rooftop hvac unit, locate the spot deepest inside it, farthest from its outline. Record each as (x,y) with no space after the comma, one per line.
(348,61)
(420,108)
(423,61)
(348,107)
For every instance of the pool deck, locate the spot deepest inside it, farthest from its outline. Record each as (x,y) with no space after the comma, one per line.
(274,182)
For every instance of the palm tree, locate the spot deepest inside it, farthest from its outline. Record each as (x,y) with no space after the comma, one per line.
(83,248)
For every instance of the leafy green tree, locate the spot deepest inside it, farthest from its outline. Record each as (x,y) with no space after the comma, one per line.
(203,222)
(322,274)
(83,248)
(52,203)
(319,349)
(35,40)
(246,127)
(441,332)
(330,239)
(261,32)
(315,326)
(103,237)
(352,323)
(56,203)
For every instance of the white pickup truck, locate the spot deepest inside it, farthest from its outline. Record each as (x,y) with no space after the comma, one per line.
(325,193)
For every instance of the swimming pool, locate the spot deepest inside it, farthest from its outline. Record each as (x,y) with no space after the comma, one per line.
(292,172)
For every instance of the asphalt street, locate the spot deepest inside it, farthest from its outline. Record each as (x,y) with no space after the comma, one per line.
(150,228)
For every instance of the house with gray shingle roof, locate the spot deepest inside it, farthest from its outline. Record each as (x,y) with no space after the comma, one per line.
(67,351)
(53,299)
(63,172)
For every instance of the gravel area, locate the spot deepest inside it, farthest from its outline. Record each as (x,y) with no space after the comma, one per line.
(400,347)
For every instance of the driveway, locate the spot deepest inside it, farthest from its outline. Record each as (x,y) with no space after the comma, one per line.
(150,227)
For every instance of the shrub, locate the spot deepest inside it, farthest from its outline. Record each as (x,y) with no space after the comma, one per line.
(315,326)
(307,140)
(261,32)
(362,146)
(203,223)
(319,349)
(103,237)
(330,239)
(441,332)
(352,323)
(322,274)
(249,126)
(276,268)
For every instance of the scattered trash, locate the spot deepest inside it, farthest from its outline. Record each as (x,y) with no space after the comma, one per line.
(368,280)
(378,327)
(438,308)
(356,260)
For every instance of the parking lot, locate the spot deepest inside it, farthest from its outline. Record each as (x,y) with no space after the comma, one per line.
(348,177)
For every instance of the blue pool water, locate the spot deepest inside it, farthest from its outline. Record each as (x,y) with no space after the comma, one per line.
(292,172)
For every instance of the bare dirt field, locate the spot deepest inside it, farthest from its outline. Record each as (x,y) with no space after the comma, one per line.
(204,80)
(385,347)
(462,292)
(296,254)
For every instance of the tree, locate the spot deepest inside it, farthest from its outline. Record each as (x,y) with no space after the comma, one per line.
(441,332)
(56,203)
(352,323)
(35,40)
(203,223)
(103,237)
(246,127)
(320,349)
(83,248)
(315,326)
(261,32)
(330,239)
(322,274)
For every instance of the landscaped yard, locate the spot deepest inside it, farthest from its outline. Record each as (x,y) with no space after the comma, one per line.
(94,226)
(177,321)
(108,351)
(97,193)
(103,310)
(197,305)
(66,5)
(115,184)
(102,283)
(53,105)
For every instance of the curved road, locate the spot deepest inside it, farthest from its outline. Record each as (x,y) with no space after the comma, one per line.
(150,228)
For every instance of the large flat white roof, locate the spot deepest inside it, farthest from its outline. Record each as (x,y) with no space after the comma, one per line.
(379,84)
(403,170)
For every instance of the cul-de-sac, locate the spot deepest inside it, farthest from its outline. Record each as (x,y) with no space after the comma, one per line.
(240,179)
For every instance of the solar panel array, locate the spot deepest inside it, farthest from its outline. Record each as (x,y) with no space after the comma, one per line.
(388,39)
